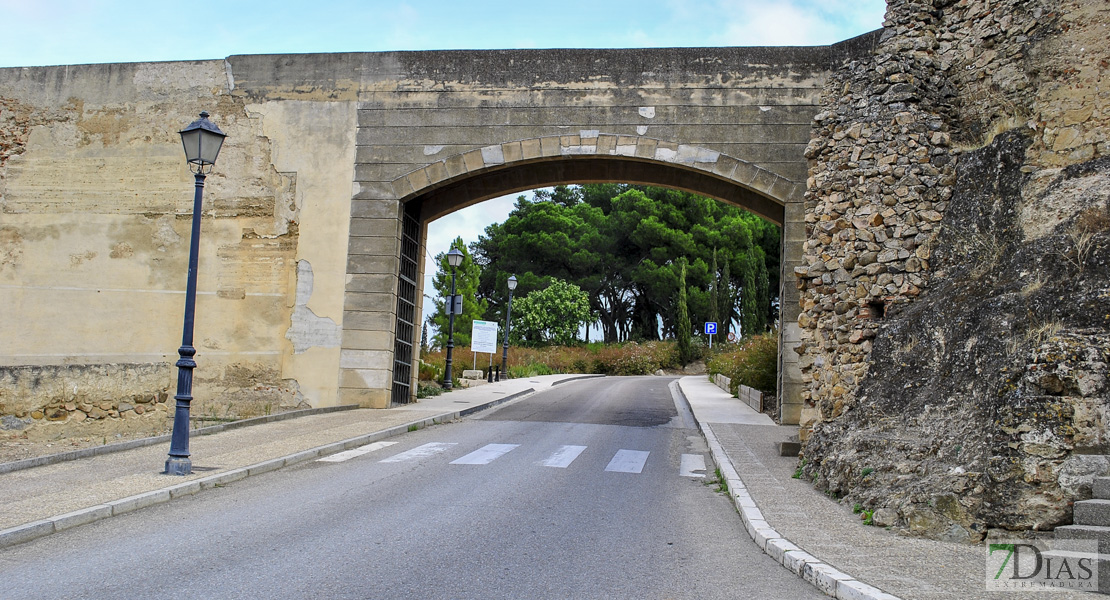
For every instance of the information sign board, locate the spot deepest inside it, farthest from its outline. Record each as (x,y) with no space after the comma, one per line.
(483,336)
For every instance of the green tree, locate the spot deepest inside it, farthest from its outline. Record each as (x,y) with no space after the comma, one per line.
(620,244)
(551,315)
(682,319)
(466,285)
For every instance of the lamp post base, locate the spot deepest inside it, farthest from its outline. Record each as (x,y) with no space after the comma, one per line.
(179,465)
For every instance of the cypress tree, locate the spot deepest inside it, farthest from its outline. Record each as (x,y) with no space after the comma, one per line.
(714,287)
(682,318)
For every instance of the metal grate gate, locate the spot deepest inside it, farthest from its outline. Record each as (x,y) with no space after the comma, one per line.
(406,306)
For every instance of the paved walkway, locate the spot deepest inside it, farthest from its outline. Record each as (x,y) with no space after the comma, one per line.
(809,533)
(859,561)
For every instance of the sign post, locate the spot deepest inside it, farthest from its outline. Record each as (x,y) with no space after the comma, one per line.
(710,329)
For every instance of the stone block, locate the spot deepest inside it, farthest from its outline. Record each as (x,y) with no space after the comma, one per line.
(139,501)
(531,149)
(370,320)
(418,180)
(455,165)
(82,517)
(402,189)
(1092,512)
(367,340)
(474,161)
(366,359)
(645,148)
(1083,533)
(512,152)
(379,398)
(436,172)
(365,378)
(380,283)
(791,449)
(1101,488)
(365,263)
(359,301)
(375,209)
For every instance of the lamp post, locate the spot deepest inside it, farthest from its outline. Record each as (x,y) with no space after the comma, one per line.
(508,314)
(202,141)
(454,259)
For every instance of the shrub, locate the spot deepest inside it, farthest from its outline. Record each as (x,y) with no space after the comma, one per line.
(753,362)
(609,359)
(430,372)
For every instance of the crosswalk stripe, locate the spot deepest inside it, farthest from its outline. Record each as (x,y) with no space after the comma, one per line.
(485,455)
(628,461)
(424,451)
(562,457)
(691,463)
(356,452)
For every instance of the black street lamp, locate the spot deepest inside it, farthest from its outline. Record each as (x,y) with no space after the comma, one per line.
(202,141)
(508,313)
(454,259)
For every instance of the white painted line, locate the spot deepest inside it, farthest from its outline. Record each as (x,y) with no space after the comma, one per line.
(691,464)
(356,452)
(628,461)
(486,454)
(563,457)
(429,449)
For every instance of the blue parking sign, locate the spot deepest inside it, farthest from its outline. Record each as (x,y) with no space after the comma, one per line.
(710,328)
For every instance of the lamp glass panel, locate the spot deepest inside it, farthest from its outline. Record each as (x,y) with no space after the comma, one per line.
(210,144)
(191,141)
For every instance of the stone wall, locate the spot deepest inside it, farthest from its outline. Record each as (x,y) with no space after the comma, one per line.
(954,310)
(95,210)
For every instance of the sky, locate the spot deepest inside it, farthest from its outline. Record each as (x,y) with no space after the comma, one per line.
(64,32)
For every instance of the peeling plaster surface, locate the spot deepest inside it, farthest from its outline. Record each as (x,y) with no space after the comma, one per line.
(307,329)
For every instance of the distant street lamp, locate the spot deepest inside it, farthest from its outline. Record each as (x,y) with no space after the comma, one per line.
(202,141)
(508,313)
(454,259)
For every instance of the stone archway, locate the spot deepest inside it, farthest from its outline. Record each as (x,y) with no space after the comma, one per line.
(464,179)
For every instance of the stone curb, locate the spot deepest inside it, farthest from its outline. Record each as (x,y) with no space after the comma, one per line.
(576,378)
(53,459)
(824,577)
(36,529)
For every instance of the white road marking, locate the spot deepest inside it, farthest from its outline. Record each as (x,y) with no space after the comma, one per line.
(691,463)
(429,449)
(356,452)
(485,455)
(563,457)
(628,461)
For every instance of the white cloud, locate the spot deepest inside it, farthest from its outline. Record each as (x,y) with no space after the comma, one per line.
(795,22)
(468,223)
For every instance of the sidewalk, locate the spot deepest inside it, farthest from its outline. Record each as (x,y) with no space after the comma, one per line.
(818,538)
(807,532)
(43,500)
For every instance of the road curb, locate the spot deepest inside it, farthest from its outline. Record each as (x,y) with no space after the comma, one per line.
(44,527)
(826,578)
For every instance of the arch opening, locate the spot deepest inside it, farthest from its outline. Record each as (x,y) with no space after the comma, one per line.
(440,199)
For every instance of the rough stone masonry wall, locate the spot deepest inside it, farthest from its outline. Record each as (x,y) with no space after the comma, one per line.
(955,301)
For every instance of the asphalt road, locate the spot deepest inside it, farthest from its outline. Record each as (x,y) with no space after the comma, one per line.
(586,491)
